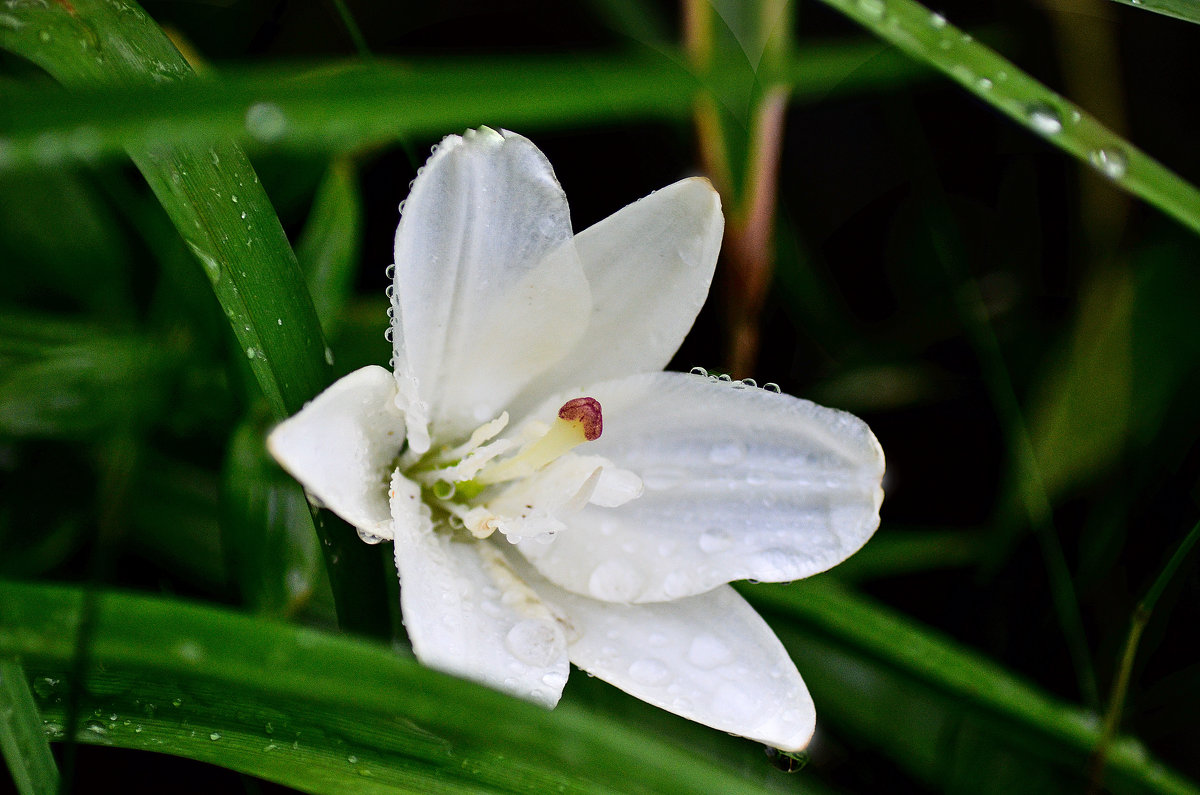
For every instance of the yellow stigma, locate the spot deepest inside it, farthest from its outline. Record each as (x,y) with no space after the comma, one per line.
(578,421)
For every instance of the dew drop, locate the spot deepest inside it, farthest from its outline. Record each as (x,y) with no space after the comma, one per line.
(189,652)
(614,581)
(214,736)
(352,759)
(1112,163)
(708,652)
(266,121)
(328,355)
(938,21)
(369,538)
(727,453)
(677,584)
(771,386)
(732,703)
(660,479)
(649,671)
(715,539)
(874,9)
(1044,119)
(700,371)
(535,642)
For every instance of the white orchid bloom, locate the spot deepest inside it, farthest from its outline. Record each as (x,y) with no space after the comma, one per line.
(603,525)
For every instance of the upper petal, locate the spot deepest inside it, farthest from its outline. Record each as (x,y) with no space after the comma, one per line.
(340,447)
(467,614)
(739,483)
(649,267)
(710,658)
(489,291)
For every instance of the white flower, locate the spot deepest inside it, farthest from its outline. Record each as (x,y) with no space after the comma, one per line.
(603,525)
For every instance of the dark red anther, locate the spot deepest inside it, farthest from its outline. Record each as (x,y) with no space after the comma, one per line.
(584,410)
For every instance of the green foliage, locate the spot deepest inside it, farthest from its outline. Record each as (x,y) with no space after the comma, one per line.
(155,323)
(23,741)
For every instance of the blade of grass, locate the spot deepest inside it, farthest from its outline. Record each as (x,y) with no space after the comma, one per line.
(295,705)
(929,38)
(328,249)
(22,740)
(340,106)
(928,701)
(1137,624)
(1187,10)
(216,203)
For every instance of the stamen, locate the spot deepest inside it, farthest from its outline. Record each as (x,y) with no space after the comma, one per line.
(586,412)
(579,421)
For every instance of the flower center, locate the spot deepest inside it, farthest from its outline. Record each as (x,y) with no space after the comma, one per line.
(521,486)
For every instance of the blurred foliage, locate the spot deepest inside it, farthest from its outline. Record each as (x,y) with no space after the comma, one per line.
(1024,341)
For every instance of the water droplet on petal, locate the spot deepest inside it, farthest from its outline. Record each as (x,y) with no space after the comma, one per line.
(615,581)
(660,479)
(727,453)
(649,671)
(715,539)
(699,371)
(731,702)
(535,642)
(554,679)
(708,652)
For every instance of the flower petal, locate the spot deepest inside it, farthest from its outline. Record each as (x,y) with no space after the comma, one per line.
(710,658)
(649,267)
(467,614)
(489,291)
(341,445)
(740,483)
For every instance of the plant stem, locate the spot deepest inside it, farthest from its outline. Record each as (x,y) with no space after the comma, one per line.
(1120,687)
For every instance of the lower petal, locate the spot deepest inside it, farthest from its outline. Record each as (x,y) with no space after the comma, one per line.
(710,658)
(467,614)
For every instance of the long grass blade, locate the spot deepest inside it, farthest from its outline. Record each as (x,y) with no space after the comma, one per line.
(929,38)
(22,739)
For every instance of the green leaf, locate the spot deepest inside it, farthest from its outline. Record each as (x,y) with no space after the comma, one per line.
(328,250)
(22,739)
(315,711)
(216,203)
(1186,10)
(39,259)
(211,193)
(949,715)
(339,106)
(929,38)
(1080,415)
(268,528)
(69,379)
